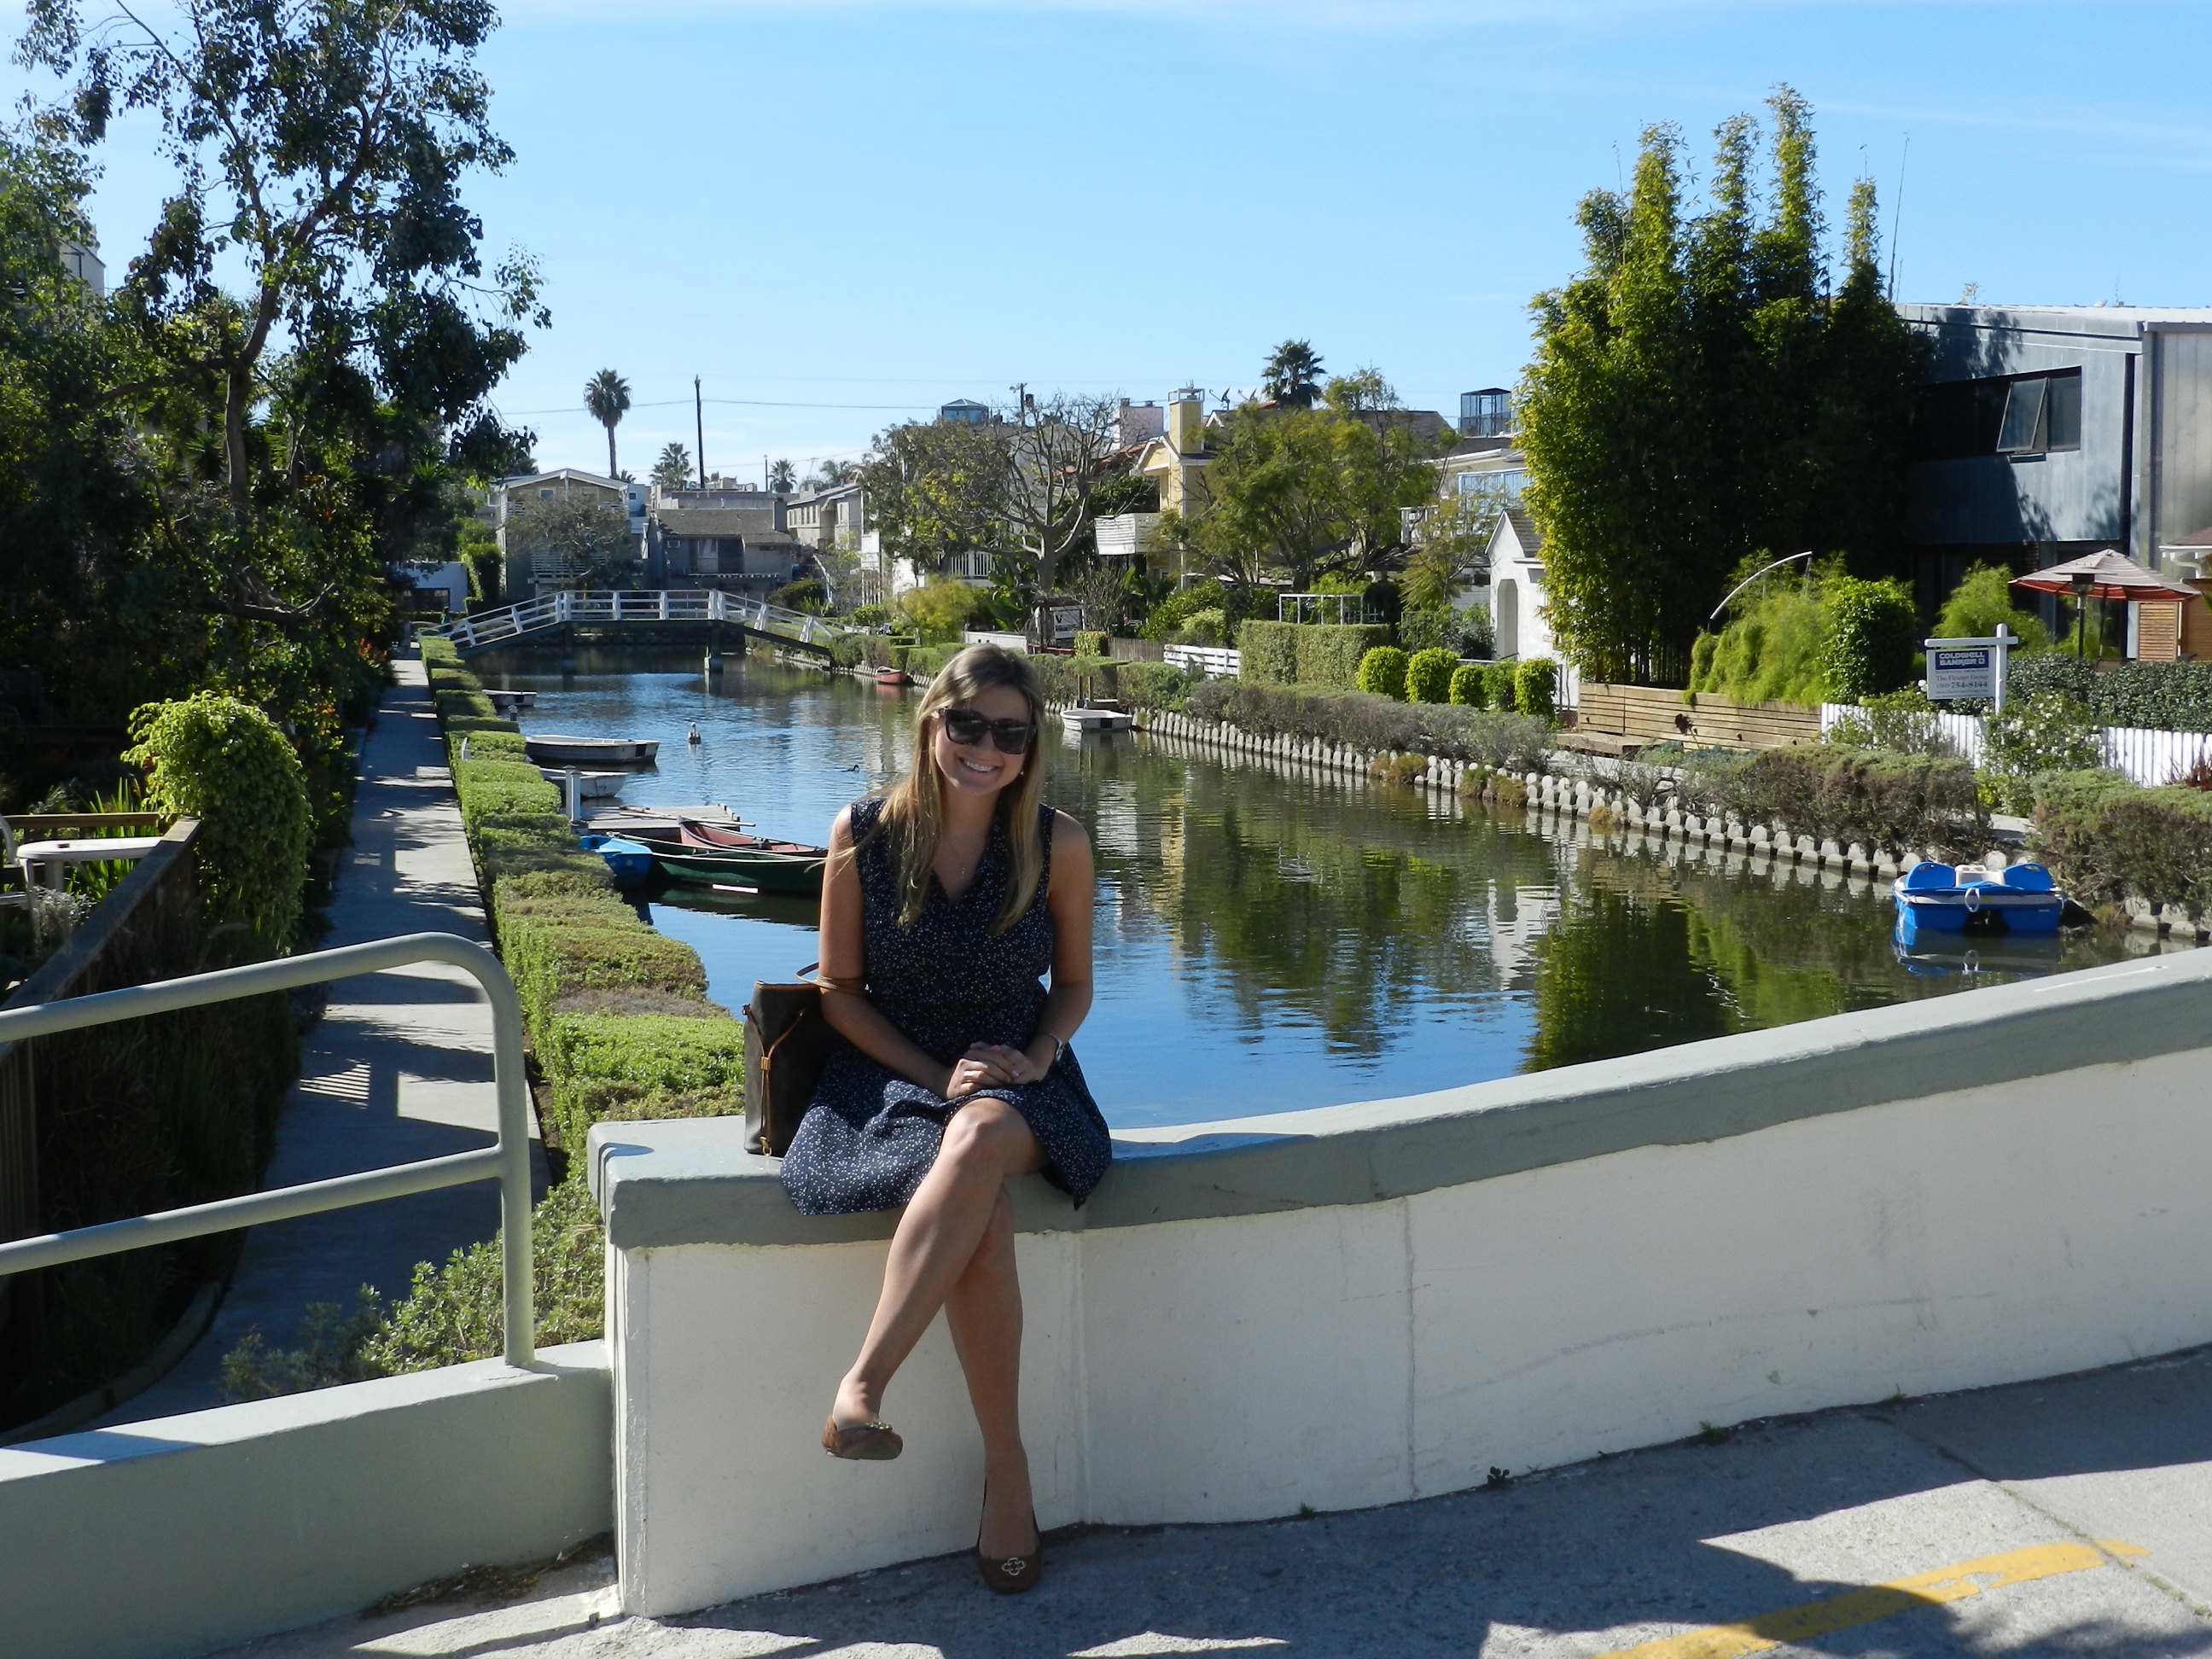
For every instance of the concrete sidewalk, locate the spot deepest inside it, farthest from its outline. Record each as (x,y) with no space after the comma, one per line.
(2067,1517)
(399,1069)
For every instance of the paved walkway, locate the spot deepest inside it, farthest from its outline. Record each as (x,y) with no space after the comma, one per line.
(2067,1517)
(399,1067)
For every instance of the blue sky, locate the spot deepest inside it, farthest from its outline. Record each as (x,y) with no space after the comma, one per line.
(880,206)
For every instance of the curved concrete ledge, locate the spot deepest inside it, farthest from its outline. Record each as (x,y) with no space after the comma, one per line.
(693,1182)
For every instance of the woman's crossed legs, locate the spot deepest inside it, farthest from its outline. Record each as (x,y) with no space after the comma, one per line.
(954,1249)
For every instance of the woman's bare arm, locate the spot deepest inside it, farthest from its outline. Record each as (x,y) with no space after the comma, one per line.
(845,965)
(1070,897)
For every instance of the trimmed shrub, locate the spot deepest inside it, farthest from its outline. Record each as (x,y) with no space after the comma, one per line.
(1371,724)
(1169,616)
(1092,642)
(556,946)
(2108,841)
(1535,687)
(1330,653)
(501,788)
(1204,628)
(503,745)
(1063,680)
(1497,684)
(1269,652)
(1382,672)
(627,1067)
(1873,797)
(1155,684)
(1873,632)
(1468,689)
(223,761)
(1428,676)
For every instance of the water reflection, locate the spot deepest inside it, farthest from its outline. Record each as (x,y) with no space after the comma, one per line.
(1270,938)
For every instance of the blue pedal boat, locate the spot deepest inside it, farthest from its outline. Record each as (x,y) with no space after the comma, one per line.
(2018,899)
(629,862)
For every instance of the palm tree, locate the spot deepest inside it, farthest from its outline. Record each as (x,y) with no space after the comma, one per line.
(673,470)
(780,477)
(606,396)
(838,472)
(1292,376)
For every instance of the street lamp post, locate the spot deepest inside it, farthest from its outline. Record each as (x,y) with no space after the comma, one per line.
(2083,581)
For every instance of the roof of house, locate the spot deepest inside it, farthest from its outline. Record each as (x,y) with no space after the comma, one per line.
(563,475)
(756,524)
(1527,540)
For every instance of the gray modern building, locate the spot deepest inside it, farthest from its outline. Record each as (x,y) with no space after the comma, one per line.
(2044,433)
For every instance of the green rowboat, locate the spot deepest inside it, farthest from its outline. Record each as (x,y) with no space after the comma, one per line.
(769,871)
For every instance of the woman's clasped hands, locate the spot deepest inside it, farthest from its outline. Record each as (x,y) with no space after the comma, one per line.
(990,1064)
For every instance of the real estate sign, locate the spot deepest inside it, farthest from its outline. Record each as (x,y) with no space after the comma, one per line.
(1968,668)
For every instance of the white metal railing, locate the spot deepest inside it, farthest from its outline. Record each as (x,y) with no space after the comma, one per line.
(506,1161)
(1215,662)
(2147,757)
(646,604)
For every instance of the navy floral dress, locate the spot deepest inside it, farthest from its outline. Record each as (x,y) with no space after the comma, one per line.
(947,981)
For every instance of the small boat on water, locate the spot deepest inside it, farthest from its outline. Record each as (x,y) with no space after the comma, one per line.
(708,855)
(628,861)
(1941,898)
(1084,717)
(558,749)
(890,677)
(591,786)
(508,702)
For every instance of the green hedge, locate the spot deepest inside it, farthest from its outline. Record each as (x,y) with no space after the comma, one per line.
(1329,655)
(1356,720)
(1063,680)
(1468,689)
(501,788)
(2107,840)
(1269,653)
(554,947)
(1156,684)
(623,1067)
(2156,697)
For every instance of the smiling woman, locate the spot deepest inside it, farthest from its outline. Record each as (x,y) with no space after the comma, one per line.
(945,901)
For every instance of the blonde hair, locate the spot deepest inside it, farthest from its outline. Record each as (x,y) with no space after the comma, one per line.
(912,815)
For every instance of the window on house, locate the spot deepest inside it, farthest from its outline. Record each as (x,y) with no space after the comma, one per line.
(1505,485)
(2014,415)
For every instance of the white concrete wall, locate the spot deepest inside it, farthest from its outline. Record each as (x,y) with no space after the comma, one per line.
(181,1534)
(1346,1354)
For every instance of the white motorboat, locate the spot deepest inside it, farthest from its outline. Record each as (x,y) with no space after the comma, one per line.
(556,748)
(1094,719)
(591,786)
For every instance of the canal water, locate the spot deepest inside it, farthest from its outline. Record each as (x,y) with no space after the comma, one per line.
(1270,939)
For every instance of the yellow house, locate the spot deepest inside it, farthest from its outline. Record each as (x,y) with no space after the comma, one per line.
(1176,459)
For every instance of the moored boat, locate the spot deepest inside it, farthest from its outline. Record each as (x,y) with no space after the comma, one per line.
(890,677)
(2020,898)
(1084,719)
(560,749)
(591,786)
(709,854)
(628,861)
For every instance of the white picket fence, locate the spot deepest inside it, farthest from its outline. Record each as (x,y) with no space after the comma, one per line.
(2149,757)
(1215,662)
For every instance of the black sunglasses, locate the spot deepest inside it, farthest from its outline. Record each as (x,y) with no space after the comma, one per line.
(966,727)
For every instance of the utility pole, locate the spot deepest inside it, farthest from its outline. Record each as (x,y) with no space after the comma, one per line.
(699,428)
(1021,390)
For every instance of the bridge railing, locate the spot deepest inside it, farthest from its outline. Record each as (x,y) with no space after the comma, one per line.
(513,621)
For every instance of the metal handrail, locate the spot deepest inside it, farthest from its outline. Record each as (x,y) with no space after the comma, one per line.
(506,1162)
(651,604)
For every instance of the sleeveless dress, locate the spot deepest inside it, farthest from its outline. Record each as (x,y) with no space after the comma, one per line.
(869,1135)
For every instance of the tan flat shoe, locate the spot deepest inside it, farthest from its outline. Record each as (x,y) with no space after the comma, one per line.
(865,1442)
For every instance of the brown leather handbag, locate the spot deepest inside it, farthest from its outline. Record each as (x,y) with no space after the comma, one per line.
(786,1044)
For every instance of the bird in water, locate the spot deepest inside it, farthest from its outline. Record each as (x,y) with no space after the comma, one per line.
(693,738)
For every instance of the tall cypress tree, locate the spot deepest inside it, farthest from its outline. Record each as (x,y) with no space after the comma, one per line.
(1699,395)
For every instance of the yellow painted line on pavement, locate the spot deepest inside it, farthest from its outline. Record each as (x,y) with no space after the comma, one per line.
(1863,1606)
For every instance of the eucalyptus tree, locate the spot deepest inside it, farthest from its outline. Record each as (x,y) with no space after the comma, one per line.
(317,149)
(606,397)
(1291,378)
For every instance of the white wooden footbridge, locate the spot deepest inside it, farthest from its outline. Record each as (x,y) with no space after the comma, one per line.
(545,620)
